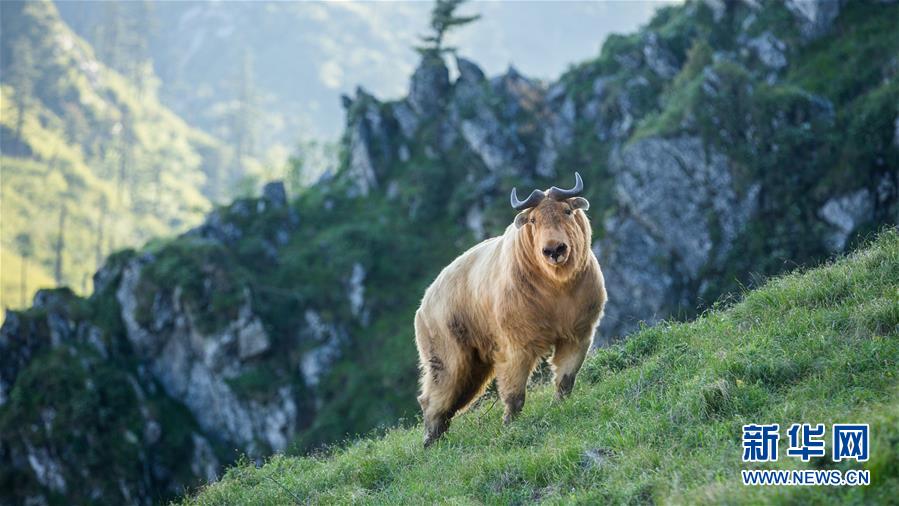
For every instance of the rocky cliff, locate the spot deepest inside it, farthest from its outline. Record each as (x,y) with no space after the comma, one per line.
(722,143)
(712,149)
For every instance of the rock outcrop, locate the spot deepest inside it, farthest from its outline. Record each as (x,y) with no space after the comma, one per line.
(678,213)
(815,17)
(193,367)
(147,346)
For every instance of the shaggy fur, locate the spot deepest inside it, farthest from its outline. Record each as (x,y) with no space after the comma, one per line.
(501,306)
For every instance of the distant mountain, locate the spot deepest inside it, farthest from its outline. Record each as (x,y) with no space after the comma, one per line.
(723,143)
(302,55)
(92,162)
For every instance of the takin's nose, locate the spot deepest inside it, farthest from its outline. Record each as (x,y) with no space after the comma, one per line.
(555,251)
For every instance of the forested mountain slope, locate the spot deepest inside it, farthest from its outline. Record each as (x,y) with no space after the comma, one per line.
(721,144)
(91,161)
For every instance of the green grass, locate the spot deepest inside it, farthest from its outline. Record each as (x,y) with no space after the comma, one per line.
(660,414)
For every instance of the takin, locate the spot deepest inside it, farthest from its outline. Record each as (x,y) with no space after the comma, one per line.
(509,301)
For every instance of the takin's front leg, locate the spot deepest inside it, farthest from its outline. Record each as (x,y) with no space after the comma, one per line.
(566,362)
(512,375)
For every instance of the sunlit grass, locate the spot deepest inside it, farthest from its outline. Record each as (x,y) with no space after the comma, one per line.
(655,419)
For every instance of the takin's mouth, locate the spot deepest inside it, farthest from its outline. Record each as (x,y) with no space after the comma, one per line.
(556,261)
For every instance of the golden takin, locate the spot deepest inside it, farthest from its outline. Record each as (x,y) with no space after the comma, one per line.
(501,306)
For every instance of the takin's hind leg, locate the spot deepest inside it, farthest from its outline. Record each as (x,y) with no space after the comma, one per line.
(436,399)
(449,390)
(434,396)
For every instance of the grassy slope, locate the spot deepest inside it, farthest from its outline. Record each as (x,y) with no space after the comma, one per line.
(664,409)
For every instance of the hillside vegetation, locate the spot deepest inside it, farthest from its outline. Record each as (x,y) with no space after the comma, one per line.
(92,162)
(655,419)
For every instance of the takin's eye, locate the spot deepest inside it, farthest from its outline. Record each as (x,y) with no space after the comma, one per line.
(533,220)
(568,211)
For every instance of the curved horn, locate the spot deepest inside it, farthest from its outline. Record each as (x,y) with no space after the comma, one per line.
(560,194)
(533,199)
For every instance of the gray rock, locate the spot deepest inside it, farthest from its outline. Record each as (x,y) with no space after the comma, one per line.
(640,287)
(678,213)
(613,115)
(406,118)
(886,189)
(356,293)
(719,8)
(22,338)
(329,339)
(371,130)
(106,275)
(361,171)
(469,71)
(844,214)
(429,86)
(203,463)
(658,58)
(193,367)
(814,17)
(152,432)
(556,92)
(393,190)
(217,228)
(558,134)
(275,194)
(252,339)
(516,93)
(769,50)
(61,328)
(599,85)
(47,470)
(486,136)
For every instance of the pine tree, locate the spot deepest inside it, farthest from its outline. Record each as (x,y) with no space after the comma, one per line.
(22,78)
(126,149)
(141,26)
(122,40)
(25,249)
(295,170)
(109,36)
(243,116)
(101,222)
(60,244)
(443,19)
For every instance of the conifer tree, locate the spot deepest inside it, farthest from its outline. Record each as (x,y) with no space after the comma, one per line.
(243,116)
(22,79)
(25,249)
(443,19)
(60,244)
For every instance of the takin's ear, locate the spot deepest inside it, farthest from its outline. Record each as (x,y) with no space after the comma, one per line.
(522,218)
(579,203)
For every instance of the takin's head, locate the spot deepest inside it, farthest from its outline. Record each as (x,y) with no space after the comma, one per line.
(554,228)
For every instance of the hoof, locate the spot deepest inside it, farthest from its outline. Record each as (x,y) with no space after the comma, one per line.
(514,403)
(435,432)
(564,387)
